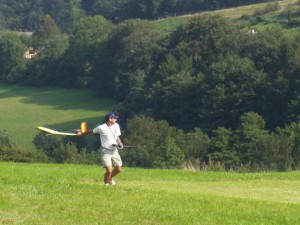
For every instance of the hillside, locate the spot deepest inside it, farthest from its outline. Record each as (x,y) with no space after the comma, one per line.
(166,25)
(24,108)
(237,12)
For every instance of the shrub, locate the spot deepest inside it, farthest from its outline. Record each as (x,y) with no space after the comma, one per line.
(5,140)
(170,155)
(19,155)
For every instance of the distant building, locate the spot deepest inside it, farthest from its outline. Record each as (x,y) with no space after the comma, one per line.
(30,53)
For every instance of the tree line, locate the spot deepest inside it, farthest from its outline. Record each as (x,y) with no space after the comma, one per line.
(156,144)
(208,93)
(27,14)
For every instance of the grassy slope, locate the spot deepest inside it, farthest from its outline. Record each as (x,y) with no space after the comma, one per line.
(22,109)
(169,24)
(236,13)
(74,194)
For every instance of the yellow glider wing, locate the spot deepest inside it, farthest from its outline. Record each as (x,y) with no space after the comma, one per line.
(55,132)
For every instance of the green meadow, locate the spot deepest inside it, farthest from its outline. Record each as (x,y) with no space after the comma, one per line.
(63,194)
(75,194)
(23,109)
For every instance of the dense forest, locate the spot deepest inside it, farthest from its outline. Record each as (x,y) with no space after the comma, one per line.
(207,94)
(26,14)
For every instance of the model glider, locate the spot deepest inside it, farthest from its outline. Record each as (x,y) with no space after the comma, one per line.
(67,133)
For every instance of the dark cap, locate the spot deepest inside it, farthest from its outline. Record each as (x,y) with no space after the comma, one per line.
(111,115)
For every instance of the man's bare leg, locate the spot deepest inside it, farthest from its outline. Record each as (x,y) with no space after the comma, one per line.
(108,174)
(116,171)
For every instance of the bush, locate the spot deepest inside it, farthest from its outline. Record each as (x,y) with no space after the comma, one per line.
(5,140)
(170,155)
(9,152)
(229,159)
(67,154)
(136,157)
(46,144)
(18,155)
(275,153)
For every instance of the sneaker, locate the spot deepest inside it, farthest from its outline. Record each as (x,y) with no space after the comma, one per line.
(112,182)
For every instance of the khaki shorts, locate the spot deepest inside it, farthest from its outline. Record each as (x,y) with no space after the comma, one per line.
(110,157)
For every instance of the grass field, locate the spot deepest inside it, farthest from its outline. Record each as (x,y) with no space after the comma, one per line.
(22,109)
(74,194)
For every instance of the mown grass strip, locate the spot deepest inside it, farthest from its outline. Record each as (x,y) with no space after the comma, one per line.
(75,194)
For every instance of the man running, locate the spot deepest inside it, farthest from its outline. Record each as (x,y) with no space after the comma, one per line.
(110,133)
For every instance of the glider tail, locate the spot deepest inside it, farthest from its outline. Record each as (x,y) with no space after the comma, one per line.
(84,127)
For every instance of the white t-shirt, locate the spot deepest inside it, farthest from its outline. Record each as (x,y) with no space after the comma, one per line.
(108,135)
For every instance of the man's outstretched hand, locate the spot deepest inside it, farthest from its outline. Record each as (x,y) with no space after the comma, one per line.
(79,133)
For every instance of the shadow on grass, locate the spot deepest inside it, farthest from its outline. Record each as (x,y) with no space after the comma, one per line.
(58,98)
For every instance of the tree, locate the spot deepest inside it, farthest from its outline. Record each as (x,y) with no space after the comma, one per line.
(67,153)
(5,141)
(247,137)
(292,132)
(273,52)
(170,155)
(50,45)
(10,152)
(136,157)
(178,84)
(47,39)
(76,64)
(170,89)
(205,38)
(221,148)
(294,80)
(232,88)
(80,142)
(221,140)
(12,62)
(27,14)
(195,145)
(275,153)
(110,9)
(65,13)
(145,131)
(138,47)
(141,9)
(130,51)
(46,144)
